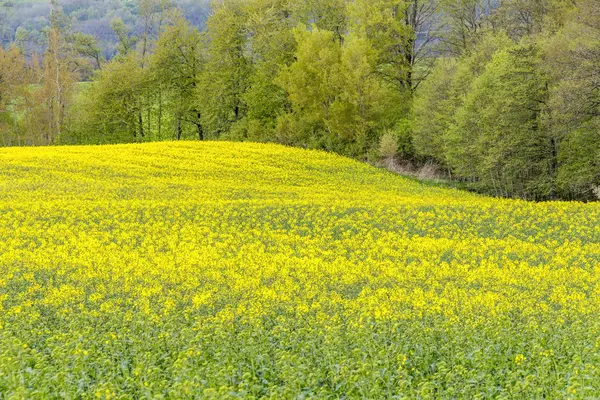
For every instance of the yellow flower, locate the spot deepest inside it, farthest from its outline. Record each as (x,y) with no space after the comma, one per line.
(238,262)
(519,358)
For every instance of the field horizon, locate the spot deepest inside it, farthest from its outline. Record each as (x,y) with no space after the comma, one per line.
(247,270)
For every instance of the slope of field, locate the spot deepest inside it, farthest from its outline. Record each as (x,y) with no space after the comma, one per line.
(222,270)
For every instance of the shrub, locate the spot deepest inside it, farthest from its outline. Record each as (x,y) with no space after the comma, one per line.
(388,145)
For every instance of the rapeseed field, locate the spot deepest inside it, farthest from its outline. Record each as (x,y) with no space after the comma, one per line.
(222,270)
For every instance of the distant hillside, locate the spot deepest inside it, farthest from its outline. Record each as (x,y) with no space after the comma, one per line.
(25,21)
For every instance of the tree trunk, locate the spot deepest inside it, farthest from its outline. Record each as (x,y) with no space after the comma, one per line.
(160,111)
(141,123)
(149,127)
(199,126)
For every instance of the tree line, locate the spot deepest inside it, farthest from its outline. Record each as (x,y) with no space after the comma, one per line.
(516,112)
(501,95)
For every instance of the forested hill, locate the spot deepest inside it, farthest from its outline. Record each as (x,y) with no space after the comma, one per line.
(501,96)
(26,22)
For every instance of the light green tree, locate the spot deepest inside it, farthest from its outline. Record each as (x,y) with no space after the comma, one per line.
(176,67)
(86,47)
(272,47)
(464,21)
(382,23)
(434,108)
(15,98)
(498,139)
(126,42)
(58,79)
(572,58)
(436,102)
(109,108)
(329,15)
(312,85)
(228,67)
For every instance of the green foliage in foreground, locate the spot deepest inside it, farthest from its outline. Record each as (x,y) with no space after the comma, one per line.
(222,270)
